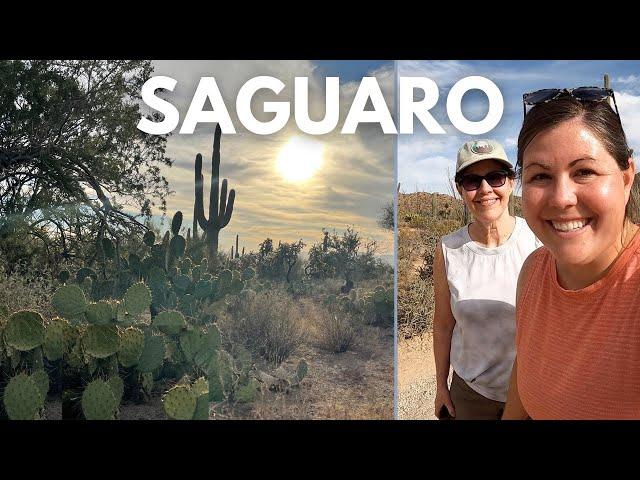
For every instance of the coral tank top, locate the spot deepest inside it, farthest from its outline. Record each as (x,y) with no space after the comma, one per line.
(578,351)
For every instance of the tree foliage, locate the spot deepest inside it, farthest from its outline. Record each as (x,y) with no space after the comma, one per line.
(71,155)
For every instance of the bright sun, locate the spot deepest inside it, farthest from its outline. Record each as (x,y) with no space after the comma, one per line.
(300,158)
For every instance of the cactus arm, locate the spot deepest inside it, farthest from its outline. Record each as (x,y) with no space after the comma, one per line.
(215,176)
(229,211)
(223,204)
(198,208)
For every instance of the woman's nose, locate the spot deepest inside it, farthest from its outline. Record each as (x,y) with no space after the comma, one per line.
(562,194)
(484,187)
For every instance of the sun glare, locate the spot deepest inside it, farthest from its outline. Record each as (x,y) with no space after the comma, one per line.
(300,158)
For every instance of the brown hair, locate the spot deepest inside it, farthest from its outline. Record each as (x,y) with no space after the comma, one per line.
(598,117)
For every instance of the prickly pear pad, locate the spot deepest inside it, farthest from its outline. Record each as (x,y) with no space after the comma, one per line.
(54,341)
(131,345)
(100,313)
(179,403)
(100,341)
(137,299)
(22,398)
(69,301)
(24,330)
(169,322)
(42,381)
(99,401)
(152,354)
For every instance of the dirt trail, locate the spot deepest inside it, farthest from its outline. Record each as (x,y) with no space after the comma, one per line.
(416,378)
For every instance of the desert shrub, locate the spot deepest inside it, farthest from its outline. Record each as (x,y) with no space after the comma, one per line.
(268,323)
(22,291)
(336,332)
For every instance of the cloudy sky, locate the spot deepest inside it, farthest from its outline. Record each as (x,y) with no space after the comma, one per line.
(352,185)
(423,158)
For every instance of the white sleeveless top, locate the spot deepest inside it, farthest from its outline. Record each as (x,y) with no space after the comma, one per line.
(482,282)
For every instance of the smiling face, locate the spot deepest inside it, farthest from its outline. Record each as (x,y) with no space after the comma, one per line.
(487,203)
(574,194)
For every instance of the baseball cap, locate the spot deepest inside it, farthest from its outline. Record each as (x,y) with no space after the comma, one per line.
(478,150)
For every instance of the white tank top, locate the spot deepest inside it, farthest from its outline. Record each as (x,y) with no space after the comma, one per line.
(482,282)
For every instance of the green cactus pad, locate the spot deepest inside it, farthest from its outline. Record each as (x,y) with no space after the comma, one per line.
(236,286)
(200,387)
(108,248)
(179,403)
(137,299)
(131,346)
(63,276)
(202,407)
(169,322)
(202,289)
(249,392)
(178,245)
(248,273)
(83,273)
(182,283)
(186,304)
(146,380)
(99,401)
(100,313)
(176,223)
(69,301)
(42,381)
(22,398)
(24,330)
(117,387)
(100,341)
(189,343)
(207,346)
(152,354)
(36,358)
(225,277)
(149,238)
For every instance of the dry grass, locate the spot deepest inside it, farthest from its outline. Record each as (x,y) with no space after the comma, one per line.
(18,292)
(268,323)
(336,332)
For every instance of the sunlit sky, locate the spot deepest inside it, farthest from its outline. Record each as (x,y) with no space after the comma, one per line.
(353,176)
(423,158)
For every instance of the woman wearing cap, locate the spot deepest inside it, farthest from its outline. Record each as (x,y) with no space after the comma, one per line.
(475,275)
(578,314)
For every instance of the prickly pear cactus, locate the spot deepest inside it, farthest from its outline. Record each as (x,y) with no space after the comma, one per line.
(248,392)
(69,301)
(99,401)
(117,387)
(100,313)
(131,346)
(23,398)
(152,354)
(63,276)
(83,273)
(101,341)
(24,330)
(180,403)
(248,274)
(42,381)
(169,322)
(137,299)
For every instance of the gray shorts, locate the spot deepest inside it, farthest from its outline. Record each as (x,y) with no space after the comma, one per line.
(470,405)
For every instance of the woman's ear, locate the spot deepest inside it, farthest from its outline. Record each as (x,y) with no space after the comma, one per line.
(628,177)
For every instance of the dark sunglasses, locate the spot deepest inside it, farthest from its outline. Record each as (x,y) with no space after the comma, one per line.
(582,94)
(471,181)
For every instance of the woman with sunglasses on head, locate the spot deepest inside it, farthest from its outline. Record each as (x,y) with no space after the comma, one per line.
(578,307)
(475,273)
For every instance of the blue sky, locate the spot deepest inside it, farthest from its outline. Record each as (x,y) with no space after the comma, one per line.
(423,158)
(350,189)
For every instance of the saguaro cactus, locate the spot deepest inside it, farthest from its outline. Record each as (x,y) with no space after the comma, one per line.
(220,208)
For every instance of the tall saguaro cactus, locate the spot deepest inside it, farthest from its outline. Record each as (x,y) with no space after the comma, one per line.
(220,208)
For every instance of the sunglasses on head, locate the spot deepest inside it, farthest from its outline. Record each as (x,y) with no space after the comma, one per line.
(582,94)
(471,181)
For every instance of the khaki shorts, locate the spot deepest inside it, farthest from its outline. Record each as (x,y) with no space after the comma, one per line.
(470,405)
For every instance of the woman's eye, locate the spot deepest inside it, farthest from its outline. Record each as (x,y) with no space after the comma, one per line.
(585,172)
(538,177)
